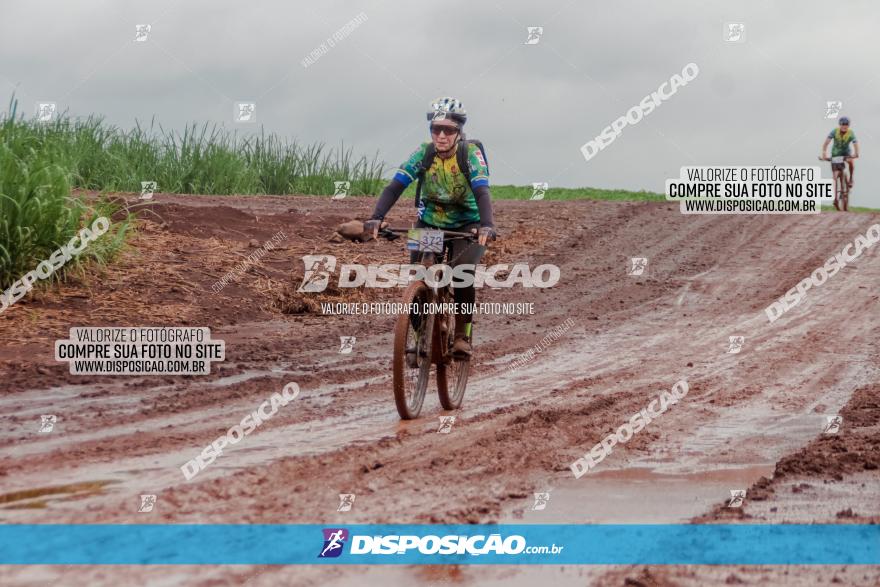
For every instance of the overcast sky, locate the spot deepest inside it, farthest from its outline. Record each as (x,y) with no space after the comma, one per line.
(757,102)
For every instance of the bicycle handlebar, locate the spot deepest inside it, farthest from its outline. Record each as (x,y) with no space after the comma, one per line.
(394,233)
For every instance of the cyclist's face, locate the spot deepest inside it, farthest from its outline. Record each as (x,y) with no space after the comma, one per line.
(844,127)
(444,134)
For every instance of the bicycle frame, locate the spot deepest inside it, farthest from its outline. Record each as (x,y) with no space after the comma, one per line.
(440,355)
(432,342)
(841,181)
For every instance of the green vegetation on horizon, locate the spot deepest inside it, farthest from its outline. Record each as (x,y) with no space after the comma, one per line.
(211,159)
(515,192)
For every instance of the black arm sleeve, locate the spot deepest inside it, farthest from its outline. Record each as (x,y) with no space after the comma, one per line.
(484,205)
(387,199)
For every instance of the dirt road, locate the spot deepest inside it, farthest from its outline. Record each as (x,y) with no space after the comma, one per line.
(751,420)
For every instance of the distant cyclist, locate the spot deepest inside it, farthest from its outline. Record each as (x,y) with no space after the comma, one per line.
(451,198)
(843,137)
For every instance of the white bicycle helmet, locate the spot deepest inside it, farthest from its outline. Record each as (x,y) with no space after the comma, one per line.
(448,108)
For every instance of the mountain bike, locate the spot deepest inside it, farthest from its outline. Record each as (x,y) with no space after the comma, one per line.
(425,334)
(841,180)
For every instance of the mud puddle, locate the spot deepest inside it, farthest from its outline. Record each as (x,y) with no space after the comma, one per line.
(639,495)
(38,497)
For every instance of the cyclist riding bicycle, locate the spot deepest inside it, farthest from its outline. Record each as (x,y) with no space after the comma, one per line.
(448,200)
(843,137)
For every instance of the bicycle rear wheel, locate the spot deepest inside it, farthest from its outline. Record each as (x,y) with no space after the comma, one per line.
(452,374)
(411,363)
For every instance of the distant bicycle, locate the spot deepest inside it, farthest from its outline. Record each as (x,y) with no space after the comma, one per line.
(841,180)
(844,148)
(427,335)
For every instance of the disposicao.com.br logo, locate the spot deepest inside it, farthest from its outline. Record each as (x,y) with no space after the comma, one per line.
(431,544)
(319,269)
(334,541)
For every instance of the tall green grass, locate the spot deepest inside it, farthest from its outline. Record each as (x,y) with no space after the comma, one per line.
(41,162)
(202,159)
(37,212)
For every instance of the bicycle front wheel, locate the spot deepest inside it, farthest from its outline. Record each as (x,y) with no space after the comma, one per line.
(452,374)
(411,364)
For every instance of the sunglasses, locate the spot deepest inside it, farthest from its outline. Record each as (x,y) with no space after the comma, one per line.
(446,130)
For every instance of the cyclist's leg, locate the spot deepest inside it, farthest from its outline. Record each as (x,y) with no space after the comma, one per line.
(851,168)
(463,252)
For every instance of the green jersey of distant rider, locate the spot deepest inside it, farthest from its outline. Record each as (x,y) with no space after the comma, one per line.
(842,139)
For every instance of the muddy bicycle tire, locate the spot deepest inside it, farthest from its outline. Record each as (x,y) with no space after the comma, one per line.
(411,383)
(451,378)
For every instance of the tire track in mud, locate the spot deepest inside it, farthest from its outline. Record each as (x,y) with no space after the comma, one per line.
(518,430)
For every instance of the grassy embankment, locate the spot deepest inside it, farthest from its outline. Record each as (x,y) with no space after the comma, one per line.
(41,163)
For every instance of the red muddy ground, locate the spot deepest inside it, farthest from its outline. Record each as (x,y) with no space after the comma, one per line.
(751,420)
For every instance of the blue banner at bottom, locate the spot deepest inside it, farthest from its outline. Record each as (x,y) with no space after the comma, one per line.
(543,544)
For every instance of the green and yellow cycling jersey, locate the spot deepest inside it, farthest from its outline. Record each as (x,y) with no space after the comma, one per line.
(447,200)
(841,141)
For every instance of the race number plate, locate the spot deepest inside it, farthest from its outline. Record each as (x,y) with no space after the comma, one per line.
(838,159)
(424,240)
